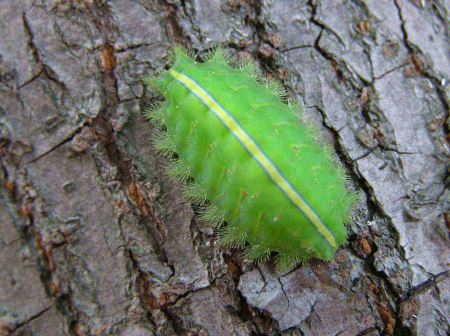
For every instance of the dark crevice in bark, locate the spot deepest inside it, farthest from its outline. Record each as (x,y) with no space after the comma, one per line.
(55,147)
(349,164)
(372,206)
(42,67)
(426,285)
(339,66)
(174,30)
(30,233)
(439,84)
(128,181)
(34,317)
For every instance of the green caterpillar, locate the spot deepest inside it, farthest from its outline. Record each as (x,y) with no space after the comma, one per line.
(249,158)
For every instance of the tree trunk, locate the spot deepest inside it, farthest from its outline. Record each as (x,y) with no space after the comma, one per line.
(95,239)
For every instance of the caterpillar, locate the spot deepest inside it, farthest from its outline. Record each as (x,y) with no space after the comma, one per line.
(249,161)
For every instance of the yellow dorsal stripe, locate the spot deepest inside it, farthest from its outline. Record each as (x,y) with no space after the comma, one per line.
(251,146)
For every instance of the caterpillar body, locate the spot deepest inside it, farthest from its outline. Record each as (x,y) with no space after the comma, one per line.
(250,160)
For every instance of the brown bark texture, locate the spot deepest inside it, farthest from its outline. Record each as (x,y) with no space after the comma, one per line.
(95,239)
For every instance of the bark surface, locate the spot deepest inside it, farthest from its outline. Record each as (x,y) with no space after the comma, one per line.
(95,239)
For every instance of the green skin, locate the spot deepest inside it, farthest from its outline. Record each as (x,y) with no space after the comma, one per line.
(253,206)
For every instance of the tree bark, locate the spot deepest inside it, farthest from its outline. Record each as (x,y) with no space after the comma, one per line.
(96,239)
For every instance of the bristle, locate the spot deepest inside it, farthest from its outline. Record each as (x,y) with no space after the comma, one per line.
(178,170)
(156,113)
(314,131)
(180,52)
(328,151)
(153,78)
(286,262)
(275,88)
(250,68)
(156,117)
(212,215)
(152,75)
(195,193)
(295,108)
(218,55)
(232,236)
(164,144)
(355,197)
(257,253)
(340,168)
